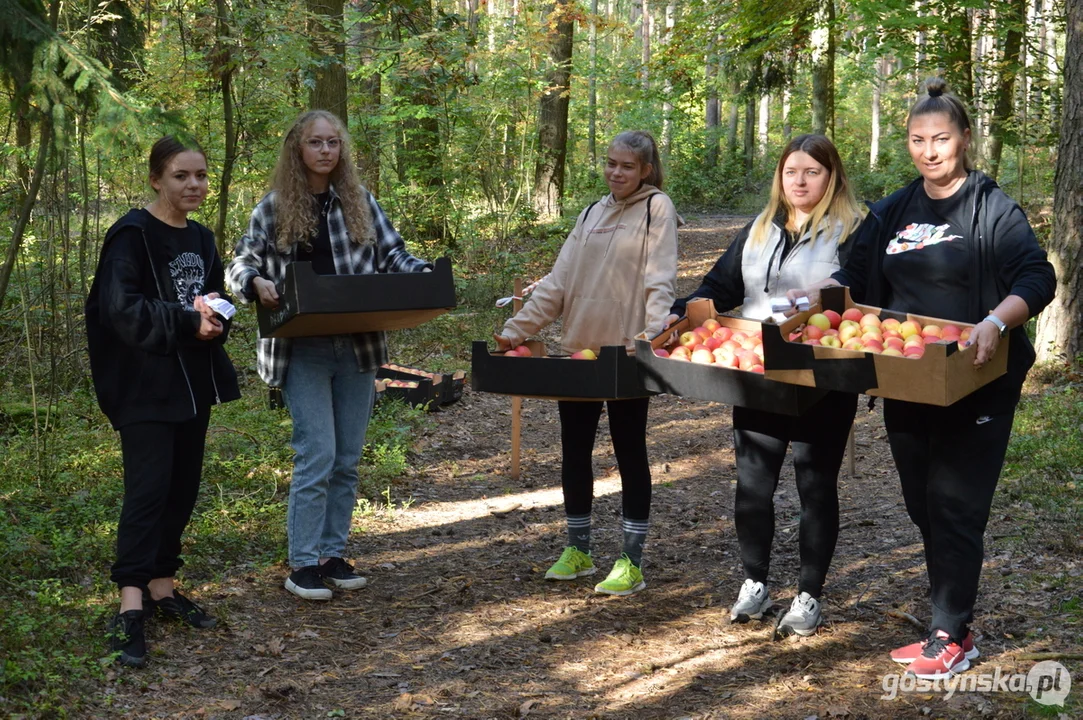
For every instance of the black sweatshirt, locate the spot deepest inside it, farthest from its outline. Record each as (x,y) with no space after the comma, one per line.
(141,334)
(1002,258)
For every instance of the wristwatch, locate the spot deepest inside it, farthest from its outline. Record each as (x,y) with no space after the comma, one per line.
(1001,327)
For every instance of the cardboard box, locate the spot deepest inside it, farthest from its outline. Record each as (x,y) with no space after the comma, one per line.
(419,391)
(943,375)
(311,304)
(447,388)
(613,376)
(717,383)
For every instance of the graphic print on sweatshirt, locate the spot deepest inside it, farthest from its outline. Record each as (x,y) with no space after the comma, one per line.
(187,273)
(917,236)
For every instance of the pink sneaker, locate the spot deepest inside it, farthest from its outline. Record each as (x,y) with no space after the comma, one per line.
(911,652)
(941,657)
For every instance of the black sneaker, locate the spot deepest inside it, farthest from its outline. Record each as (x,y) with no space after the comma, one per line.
(341,574)
(307,583)
(126,637)
(180,608)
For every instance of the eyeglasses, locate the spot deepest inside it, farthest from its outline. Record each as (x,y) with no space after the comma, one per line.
(316,144)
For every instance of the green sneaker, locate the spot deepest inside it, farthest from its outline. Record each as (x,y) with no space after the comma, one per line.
(624,579)
(572,564)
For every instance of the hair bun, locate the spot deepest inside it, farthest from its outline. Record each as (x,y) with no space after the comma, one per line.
(935,87)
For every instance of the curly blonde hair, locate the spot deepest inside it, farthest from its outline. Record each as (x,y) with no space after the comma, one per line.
(295,213)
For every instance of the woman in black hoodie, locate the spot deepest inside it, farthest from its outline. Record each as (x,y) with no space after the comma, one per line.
(952,245)
(158,365)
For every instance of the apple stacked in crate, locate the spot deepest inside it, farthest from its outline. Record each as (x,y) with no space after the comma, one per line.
(713,343)
(862,331)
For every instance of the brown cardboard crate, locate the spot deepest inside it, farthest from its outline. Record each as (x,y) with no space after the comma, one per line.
(943,375)
(448,387)
(716,383)
(613,376)
(311,304)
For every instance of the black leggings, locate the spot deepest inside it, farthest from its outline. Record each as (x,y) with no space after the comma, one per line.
(819,442)
(949,462)
(628,428)
(163,463)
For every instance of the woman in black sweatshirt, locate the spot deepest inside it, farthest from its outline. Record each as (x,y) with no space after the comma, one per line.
(951,244)
(158,365)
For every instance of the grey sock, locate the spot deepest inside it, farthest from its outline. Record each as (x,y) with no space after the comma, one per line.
(579,532)
(635,537)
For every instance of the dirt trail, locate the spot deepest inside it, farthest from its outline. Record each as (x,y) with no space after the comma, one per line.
(457,620)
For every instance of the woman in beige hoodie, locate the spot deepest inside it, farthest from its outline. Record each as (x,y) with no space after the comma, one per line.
(612,280)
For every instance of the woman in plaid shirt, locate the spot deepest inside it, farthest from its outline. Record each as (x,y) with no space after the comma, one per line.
(318,212)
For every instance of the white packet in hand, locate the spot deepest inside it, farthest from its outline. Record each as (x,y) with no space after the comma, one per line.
(221,306)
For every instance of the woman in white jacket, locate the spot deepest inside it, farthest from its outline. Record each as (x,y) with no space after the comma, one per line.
(613,279)
(799,238)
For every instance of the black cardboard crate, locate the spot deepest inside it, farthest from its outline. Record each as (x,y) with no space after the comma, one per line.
(424,393)
(449,386)
(943,375)
(311,304)
(613,376)
(718,384)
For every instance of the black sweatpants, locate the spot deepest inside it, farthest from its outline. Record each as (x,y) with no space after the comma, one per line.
(819,441)
(163,463)
(628,428)
(949,462)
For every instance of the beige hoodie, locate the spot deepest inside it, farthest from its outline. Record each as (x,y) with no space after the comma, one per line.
(612,279)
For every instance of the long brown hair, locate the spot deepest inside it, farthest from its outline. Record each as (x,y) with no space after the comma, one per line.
(295,214)
(838,204)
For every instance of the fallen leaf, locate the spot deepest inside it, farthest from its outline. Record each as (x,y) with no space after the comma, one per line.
(403,702)
(526,707)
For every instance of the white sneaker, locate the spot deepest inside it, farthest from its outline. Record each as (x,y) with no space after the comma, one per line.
(802,618)
(751,603)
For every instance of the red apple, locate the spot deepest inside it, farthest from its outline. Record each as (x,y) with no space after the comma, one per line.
(908,328)
(849,329)
(964,336)
(733,345)
(812,342)
(890,324)
(710,324)
(854,314)
(746,359)
(852,344)
(712,342)
(893,342)
(813,332)
(690,339)
(662,353)
(834,317)
(872,345)
(756,369)
(869,320)
(523,351)
(509,353)
(585,354)
(931,331)
(820,320)
(873,333)
(702,355)
(914,351)
(750,342)
(795,336)
(738,336)
(723,333)
(892,352)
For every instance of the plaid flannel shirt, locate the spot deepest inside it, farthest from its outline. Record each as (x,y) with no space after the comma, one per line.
(256,255)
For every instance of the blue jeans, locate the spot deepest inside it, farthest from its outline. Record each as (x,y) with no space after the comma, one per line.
(330,402)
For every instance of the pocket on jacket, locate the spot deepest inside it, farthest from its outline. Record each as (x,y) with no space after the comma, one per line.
(592,323)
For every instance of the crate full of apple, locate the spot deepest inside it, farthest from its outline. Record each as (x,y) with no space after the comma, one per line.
(720,358)
(440,388)
(528,370)
(840,345)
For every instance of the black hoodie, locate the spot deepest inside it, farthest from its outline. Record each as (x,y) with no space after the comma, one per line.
(139,333)
(1005,259)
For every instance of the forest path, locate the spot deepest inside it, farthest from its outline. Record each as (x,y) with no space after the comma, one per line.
(458,620)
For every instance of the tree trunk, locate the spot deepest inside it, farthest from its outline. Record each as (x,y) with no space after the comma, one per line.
(714,108)
(31,195)
(764,119)
(1060,326)
(787,126)
(823,69)
(667,89)
(877,90)
(553,114)
(731,129)
(1014,18)
(366,35)
(328,38)
(750,133)
(223,66)
(592,90)
(646,37)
